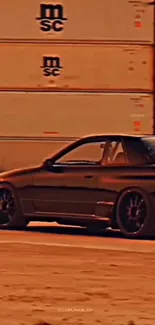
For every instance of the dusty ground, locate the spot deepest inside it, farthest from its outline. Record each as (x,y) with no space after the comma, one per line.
(73,285)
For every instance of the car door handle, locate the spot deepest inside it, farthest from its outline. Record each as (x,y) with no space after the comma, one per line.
(88,176)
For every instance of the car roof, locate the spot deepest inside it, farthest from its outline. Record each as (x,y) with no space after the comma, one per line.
(115,135)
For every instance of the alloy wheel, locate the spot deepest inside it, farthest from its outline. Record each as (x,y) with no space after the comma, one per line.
(132,212)
(7,207)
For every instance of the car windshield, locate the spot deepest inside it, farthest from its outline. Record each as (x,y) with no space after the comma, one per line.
(149,143)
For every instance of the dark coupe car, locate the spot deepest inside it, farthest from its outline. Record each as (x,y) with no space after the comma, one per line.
(97,182)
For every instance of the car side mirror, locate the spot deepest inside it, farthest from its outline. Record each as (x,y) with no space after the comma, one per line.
(49,166)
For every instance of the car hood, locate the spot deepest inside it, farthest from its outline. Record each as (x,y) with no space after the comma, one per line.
(19,172)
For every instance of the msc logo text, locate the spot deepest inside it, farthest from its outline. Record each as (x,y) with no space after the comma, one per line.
(51,17)
(51,66)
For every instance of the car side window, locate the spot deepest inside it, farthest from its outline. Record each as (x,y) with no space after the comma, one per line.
(115,154)
(87,152)
(136,153)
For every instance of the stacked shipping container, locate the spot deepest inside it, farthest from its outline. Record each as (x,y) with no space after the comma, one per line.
(74,67)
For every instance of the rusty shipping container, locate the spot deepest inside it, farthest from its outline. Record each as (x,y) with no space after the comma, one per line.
(121,20)
(78,67)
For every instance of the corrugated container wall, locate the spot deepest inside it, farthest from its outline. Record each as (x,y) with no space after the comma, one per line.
(33,110)
(76,46)
(77,20)
(79,67)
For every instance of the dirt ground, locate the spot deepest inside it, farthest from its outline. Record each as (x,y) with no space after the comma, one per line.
(74,286)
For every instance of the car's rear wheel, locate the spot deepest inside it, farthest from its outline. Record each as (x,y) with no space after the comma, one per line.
(10,211)
(133,213)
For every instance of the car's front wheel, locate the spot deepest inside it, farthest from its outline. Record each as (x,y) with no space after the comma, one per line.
(133,213)
(10,210)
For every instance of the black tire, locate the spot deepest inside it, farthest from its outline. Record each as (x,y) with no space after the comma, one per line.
(133,213)
(10,209)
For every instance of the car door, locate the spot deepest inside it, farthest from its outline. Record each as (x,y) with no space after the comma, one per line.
(70,187)
(110,179)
